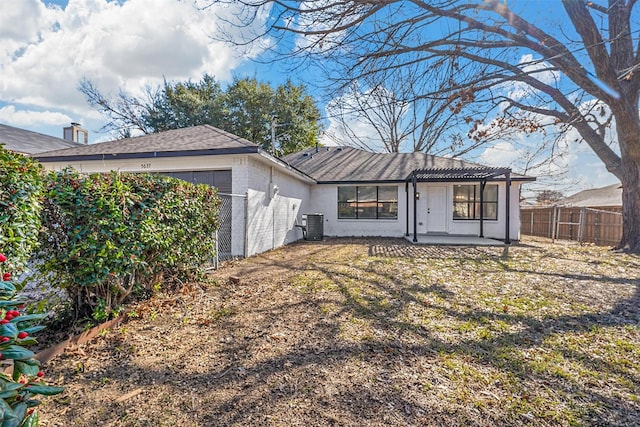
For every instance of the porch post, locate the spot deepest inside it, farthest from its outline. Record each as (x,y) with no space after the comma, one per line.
(414,180)
(507,175)
(483,184)
(406,196)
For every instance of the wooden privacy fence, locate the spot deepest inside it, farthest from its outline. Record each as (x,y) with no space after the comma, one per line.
(601,226)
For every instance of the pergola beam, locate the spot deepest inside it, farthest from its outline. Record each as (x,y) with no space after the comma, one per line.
(479,174)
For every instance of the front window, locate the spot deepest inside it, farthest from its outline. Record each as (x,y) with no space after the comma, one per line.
(466,202)
(368,202)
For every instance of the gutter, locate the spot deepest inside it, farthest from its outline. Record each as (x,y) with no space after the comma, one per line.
(148,155)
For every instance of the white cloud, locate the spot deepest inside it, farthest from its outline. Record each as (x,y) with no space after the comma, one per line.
(115,44)
(500,154)
(12,12)
(540,70)
(10,115)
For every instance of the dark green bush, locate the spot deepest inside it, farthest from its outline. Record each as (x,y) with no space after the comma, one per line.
(20,202)
(107,235)
(18,389)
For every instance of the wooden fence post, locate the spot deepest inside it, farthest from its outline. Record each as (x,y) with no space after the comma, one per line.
(531,226)
(553,224)
(581,224)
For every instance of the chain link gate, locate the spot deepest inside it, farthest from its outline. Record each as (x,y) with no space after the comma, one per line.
(226,248)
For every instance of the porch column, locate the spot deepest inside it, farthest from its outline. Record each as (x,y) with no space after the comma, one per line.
(507,175)
(483,184)
(406,196)
(414,180)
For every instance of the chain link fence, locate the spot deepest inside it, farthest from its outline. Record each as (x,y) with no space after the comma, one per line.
(232,223)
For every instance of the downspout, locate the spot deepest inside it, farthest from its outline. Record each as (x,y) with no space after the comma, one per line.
(507,174)
(414,180)
(483,184)
(246,224)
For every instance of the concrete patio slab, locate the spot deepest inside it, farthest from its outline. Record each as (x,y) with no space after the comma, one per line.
(452,240)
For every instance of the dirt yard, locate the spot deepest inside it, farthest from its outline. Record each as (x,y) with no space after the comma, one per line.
(372,332)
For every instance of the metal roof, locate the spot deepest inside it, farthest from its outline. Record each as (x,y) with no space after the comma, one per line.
(459,174)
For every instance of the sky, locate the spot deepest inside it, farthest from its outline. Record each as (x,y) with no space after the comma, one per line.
(47,47)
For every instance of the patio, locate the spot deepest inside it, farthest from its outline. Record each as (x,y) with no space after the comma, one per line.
(453,240)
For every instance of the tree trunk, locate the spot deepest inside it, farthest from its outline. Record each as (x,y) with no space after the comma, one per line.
(630,205)
(628,128)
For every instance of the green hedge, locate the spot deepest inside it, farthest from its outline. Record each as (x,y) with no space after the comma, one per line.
(108,235)
(20,202)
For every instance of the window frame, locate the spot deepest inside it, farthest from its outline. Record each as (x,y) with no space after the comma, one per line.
(356,190)
(472,202)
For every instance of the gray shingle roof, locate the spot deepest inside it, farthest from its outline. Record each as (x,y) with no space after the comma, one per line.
(28,142)
(348,164)
(596,197)
(196,140)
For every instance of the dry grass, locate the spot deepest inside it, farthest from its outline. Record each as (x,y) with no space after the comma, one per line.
(374,332)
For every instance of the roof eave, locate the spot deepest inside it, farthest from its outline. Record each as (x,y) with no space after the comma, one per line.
(401,181)
(355,181)
(148,155)
(292,170)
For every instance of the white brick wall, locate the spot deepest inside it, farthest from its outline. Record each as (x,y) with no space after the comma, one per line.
(158,164)
(324,199)
(271,221)
(239,186)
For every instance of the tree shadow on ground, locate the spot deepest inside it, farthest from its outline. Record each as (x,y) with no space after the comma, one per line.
(380,343)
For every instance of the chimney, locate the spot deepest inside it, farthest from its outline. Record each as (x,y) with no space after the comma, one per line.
(72,133)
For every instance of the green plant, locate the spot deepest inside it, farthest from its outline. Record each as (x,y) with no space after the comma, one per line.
(100,311)
(17,391)
(21,186)
(108,235)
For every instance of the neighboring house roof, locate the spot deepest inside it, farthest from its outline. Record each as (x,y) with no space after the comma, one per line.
(192,141)
(604,196)
(348,164)
(28,142)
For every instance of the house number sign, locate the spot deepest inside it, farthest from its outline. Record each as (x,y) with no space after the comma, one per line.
(145,165)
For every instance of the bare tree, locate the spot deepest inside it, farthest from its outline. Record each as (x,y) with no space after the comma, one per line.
(393,106)
(561,60)
(548,197)
(125,113)
(533,145)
